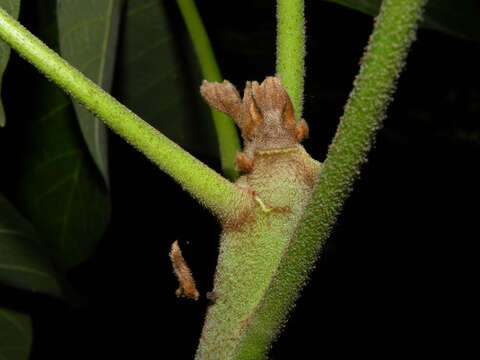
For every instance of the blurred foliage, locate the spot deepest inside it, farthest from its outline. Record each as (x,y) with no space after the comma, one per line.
(67,202)
(16,335)
(88,33)
(458,18)
(22,262)
(158,76)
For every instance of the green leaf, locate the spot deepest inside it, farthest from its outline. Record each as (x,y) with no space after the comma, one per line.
(22,263)
(62,192)
(88,32)
(459,18)
(158,76)
(64,195)
(15,335)
(13,8)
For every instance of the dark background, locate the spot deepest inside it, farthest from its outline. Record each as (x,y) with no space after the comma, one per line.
(398,277)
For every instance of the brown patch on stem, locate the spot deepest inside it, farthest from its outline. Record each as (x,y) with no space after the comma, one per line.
(243,162)
(187,286)
(212,296)
(301,130)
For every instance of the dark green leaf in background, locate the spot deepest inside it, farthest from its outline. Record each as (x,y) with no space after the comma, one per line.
(60,190)
(88,32)
(15,335)
(22,263)
(13,8)
(455,17)
(459,18)
(158,77)
(64,195)
(370,7)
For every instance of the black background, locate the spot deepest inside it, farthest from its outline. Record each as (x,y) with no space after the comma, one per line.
(399,275)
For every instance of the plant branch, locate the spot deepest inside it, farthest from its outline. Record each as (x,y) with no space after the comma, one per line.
(382,63)
(291,50)
(218,194)
(227,135)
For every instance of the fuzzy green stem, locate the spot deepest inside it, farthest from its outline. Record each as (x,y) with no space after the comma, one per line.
(13,8)
(291,50)
(228,141)
(222,197)
(382,63)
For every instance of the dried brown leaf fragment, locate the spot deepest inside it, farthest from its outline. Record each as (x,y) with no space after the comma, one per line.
(187,286)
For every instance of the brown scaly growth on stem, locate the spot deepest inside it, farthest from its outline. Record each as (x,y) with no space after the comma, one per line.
(265,116)
(187,286)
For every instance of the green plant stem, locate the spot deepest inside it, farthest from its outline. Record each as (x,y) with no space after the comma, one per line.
(291,50)
(382,63)
(227,134)
(218,194)
(13,8)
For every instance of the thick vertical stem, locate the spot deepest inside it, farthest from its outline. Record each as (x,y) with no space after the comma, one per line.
(291,50)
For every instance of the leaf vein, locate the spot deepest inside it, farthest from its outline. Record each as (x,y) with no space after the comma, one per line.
(68,208)
(53,188)
(79,26)
(135,11)
(24,269)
